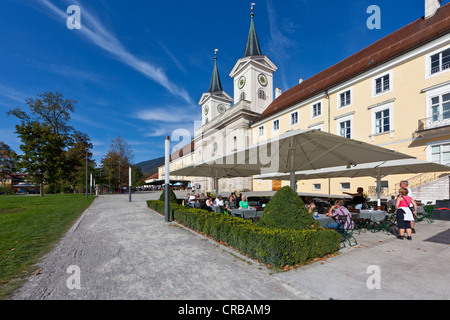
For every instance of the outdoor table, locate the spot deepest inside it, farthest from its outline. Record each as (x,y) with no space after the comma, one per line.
(217,209)
(373,215)
(244,213)
(324,220)
(420,210)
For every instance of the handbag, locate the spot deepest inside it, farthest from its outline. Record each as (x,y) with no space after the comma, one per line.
(408,216)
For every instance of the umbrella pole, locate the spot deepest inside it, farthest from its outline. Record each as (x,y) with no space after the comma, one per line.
(378,187)
(292,173)
(292,178)
(216,182)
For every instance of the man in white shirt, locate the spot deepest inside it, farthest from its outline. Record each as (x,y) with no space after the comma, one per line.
(218,201)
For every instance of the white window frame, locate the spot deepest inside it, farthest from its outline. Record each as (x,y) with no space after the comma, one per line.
(273,125)
(428,73)
(261,131)
(339,105)
(438,92)
(316,126)
(380,108)
(317,186)
(374,84)
(429,148)
(312,109)
(344,119)
(290,118)
(342,188)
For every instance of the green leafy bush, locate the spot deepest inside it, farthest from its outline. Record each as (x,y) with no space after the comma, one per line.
(286,210)
(172,196)
(277,247)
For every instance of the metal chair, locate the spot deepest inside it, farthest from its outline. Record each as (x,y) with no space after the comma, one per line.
(346,231)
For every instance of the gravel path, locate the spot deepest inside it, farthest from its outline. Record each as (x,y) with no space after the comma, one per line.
(124,250)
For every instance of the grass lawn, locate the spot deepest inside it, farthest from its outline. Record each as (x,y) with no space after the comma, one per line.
(29,228)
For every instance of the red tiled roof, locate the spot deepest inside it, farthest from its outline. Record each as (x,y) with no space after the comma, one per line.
(397,43)
(154,176)
(187,149)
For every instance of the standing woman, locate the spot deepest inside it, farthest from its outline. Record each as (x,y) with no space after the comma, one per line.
(404,214)
(358,198)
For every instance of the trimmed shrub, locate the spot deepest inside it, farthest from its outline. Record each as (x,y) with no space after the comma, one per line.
(286,210)
(172,197)
(276,247)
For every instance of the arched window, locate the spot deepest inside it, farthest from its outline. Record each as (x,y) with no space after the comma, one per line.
(261,94)
(242,97)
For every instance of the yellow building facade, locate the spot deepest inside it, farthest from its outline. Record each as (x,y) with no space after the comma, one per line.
(395,94)
(403,104)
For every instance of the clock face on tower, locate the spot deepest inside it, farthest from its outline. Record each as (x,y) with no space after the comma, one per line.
(241,82)
(221,108)
(262,80)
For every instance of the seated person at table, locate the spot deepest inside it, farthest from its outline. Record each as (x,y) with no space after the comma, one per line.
(192,198)
(310,206)
(230,204)
(391,203)
(209,202)
(337,211)
(218,201)
(243,204)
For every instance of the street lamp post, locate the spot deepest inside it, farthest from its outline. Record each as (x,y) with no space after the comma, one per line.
(129,184)
(167,179)
(86,173)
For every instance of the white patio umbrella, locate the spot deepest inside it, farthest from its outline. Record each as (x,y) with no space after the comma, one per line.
(378,170)
(290,152)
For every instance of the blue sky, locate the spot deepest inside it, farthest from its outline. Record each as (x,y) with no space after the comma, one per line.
(138,68)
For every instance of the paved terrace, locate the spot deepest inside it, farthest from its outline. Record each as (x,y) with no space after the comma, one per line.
(126,251)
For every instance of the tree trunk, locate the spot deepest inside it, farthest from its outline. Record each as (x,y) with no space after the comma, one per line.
(41,189)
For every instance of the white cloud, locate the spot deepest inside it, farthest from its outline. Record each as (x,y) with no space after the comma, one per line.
(168,114)
(12,94)
(95,32)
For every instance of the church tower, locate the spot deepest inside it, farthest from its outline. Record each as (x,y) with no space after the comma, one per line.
(253,74)
(216,101)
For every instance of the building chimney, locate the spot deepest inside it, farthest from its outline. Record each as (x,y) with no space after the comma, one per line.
(300,80)
(277,92)
(431,6)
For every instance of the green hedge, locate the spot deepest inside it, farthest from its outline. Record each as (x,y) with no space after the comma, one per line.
(276,247)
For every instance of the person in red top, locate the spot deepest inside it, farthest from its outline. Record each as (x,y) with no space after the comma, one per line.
(404,214)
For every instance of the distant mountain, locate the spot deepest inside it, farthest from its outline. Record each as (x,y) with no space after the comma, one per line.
(150,167)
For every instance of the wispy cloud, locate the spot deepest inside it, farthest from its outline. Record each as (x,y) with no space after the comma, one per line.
(168,114)
(12,94)
(164,121)
(95,32)
(279,43)
(173,57)
(71,72)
